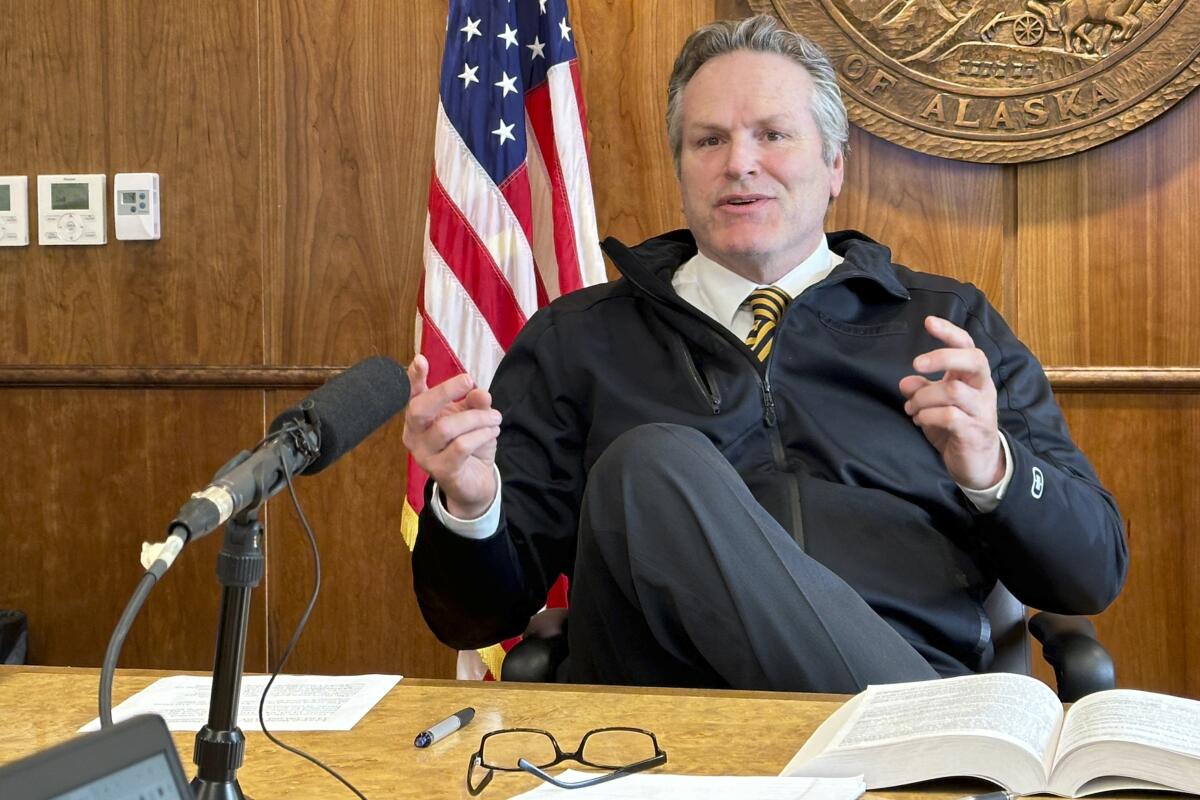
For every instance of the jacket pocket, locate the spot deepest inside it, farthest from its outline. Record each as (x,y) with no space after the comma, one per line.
(852,329)
(702,379)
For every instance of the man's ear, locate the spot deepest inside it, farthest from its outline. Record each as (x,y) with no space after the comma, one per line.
(837,174)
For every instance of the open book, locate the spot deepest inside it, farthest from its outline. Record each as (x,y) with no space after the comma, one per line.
(1011,730)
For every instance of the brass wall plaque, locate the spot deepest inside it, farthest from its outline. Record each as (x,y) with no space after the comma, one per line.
(1003,81)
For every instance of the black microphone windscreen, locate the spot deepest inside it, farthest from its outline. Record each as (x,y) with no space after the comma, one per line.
(351,406)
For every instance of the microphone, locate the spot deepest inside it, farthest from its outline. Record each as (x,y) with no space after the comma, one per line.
(307,438)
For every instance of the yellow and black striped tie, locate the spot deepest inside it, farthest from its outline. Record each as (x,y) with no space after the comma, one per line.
(767,304)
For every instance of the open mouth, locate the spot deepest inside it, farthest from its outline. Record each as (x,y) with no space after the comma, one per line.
(743,200)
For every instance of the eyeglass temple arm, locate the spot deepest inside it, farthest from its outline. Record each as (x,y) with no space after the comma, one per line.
(654,761)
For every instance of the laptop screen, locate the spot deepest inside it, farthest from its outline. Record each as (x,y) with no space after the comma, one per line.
(133,760)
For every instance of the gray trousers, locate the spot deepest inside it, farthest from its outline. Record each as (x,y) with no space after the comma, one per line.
(683,579)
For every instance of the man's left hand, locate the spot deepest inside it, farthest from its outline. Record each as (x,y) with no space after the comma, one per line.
(957,413)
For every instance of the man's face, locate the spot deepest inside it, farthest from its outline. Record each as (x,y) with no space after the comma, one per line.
(755,187)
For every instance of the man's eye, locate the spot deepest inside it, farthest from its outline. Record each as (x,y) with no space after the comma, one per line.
(709,141)
(774,136)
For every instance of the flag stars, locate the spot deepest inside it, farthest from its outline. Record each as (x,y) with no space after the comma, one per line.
(538,47)
(471,28)
(509,36)
(507,84)
(505,132)
(566,31)
(543,5)
(467,76)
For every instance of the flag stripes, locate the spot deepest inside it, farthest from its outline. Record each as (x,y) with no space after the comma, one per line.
(511,221)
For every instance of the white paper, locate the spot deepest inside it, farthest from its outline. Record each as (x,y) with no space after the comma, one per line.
(295,702)
(653,785)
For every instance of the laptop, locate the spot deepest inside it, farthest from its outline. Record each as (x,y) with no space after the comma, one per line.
(133,760)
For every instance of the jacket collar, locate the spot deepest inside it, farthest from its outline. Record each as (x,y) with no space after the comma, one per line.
(649,265)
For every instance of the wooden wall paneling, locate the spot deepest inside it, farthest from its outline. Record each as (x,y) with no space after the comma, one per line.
(366,618)
(91,475)
(626,51)
(1107,249)
(182,100)
(937,215)
(350,95)
(138,86)
(1147,453)
(53,96)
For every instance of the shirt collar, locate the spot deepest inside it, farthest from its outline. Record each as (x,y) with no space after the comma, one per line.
(724,291)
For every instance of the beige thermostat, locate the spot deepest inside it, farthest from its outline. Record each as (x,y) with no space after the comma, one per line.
(71,210)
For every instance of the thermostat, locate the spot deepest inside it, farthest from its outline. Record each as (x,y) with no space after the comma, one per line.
(135,205)
(71,209)
(14,211)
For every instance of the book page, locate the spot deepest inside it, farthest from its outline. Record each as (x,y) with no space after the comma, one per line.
(1155,720)
(1015,708)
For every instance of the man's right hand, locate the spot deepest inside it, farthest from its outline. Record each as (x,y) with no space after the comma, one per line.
(451,431)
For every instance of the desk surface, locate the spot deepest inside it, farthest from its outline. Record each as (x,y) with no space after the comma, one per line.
(703,732)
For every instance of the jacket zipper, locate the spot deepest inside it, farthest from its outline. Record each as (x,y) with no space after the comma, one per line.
(793,484)
(706,383)
(768,404)
(769,416)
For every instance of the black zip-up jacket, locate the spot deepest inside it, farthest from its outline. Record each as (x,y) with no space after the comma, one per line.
(819,434)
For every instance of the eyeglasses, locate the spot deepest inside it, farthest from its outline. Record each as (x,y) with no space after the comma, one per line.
(622,750)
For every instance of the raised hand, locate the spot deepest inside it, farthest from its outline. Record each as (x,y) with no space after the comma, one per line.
(957,413)
(451,431)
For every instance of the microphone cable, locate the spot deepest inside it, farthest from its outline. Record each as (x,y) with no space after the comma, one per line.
(287,652)
(164,558)
(167,553)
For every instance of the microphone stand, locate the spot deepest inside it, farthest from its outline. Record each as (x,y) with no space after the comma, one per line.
(221,745)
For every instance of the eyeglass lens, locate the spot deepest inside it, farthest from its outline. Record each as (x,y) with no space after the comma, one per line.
(609,748)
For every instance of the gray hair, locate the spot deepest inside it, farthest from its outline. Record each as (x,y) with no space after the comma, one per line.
(760,34)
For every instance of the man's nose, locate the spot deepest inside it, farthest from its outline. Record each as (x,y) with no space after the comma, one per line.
(742,157)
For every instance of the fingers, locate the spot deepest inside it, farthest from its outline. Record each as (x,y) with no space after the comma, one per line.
(462,447)
(443,432)
(911,383)
(427,405)
(947,332)
(957,413)
(478,398)
(949,394)
(962,360)
(418,373)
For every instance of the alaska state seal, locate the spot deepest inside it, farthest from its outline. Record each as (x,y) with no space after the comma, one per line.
(1003,80)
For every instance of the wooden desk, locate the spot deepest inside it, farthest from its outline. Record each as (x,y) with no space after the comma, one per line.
(703,732)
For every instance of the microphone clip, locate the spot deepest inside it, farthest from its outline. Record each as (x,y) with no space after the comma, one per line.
(306,434)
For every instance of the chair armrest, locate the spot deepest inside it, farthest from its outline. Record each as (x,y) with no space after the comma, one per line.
(1081,664)
(541,654)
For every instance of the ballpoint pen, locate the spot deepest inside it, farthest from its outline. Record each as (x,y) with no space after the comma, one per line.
(440,730)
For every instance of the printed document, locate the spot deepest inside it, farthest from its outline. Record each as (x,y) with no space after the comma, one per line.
(295,702)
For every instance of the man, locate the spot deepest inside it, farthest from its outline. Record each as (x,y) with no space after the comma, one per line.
(747,489)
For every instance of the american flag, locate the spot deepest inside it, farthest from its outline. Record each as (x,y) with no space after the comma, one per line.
(511,223)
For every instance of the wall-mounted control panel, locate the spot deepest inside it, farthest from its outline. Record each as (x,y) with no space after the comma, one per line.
(135,205)
(14,211)
(71,209)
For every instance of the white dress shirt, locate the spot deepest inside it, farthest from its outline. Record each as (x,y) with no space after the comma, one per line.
(722,295)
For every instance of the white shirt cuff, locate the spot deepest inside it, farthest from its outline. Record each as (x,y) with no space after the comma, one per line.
(479,528)
(986,500)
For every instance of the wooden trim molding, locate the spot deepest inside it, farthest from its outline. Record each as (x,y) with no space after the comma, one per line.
(167,377)
(1062,379)
(1124,379)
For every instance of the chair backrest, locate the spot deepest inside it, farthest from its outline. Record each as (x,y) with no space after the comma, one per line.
(1010,636)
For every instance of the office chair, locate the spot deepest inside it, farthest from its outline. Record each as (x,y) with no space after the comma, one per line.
(1081,664)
